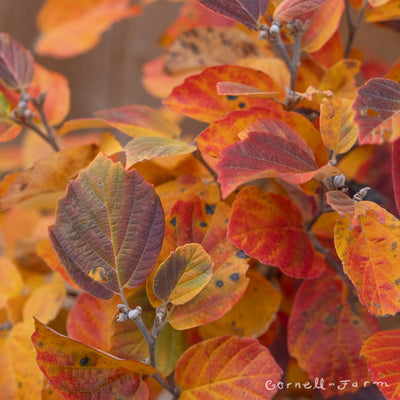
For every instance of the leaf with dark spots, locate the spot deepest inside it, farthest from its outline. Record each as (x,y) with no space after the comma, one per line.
(109,229)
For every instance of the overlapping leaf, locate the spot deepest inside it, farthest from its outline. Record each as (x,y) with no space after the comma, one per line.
(195,221)
(90,321)
(75,369)
(245,11)
(382,352)
(273,150)
(385,12)
(252,315)
(323,16)
(269,227)
(117,219)
(8,128)
(377,108)
(227,367)
(146,148)
(367,242)
(46,175)
(16,63)
(327,328)
(68,28)
(183,274)
(197,97)
(338,130)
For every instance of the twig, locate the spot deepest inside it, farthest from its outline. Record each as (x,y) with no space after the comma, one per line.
(6,326)
(353,26)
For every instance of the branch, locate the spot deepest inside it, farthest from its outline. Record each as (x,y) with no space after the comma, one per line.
(353,25)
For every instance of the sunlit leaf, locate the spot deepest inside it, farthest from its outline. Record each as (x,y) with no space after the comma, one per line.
(327,328)
(197,97)
(139,120)
(252,315)
(195,221)
(276,151)
(239,89)
(388,11)
(90,320)
(338,130)
(396,172)
(269,227)
(383,356)
(227,367)
(46,175)
(45,301)
(183,274)
(245,11)
(146,148)
(117,219)
(377,108)
(75,369)
(16,63)
(323,16)
(68,28)
(11,280)
(368,245)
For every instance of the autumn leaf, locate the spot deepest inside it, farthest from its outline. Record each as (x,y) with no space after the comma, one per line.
(46,175)
(269,227)
(146,148)
(68,28)
(90,321)
(75,369)
(327,328)
(396,172)
(197,97)
(120,236)
(377,108)
(252,315)
(8,128)
(367,242)
(11,283)
(273,150)
(183,274)
(245,11)
(239,89)
(390,10)
(227,367)
(340,202)
(195,221)
(338,130)
(323,16)
(16,63)
(383,356)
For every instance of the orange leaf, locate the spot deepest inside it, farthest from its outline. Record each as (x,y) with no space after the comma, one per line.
(46,175)
(383,356)
(327,328)
(75,369)
(385,12)
(338,130)
(368,245)
(227,367)
(68,28)
(90,320)
(239,89)
(197,97)
(269,227)
(340,202)
(324,17)
(252,315)
(11,282)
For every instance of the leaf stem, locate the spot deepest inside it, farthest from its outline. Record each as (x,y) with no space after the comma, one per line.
(199,156)
(353,25)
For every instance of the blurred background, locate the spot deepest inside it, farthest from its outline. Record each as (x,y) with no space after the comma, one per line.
(110,74)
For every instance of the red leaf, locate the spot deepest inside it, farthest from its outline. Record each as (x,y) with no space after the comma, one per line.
(197,97)
(239,89)
(227,367)
(327,328)
(396,172)
(77,371)
(382,352)
(377,108)
(269,227)
(16,63)
(117,219)
(245,11)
